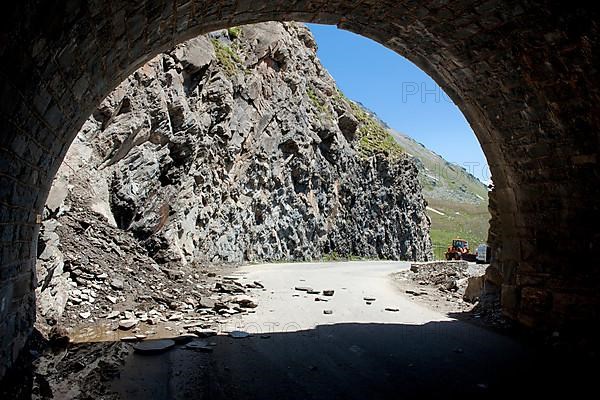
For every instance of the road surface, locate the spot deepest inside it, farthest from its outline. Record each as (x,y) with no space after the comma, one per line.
(285,309)
(359,351)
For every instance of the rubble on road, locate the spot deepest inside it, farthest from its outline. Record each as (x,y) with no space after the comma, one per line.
(445,275)
(453,287)
(203,333)
(441,284)
(143,297)
(127,324)
(474,288)
(79,372)
(154,346)
(244,301)
(449,277)
(239,334)
(93,273)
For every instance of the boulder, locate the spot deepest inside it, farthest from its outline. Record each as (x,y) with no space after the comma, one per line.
(245,301)
(474,289)
(126,324)
(154,346)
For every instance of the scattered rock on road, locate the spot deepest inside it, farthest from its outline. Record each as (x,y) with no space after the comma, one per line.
(199,345)
(328,292)
(446,275)
(154,346)
(127,324)
(239,334)
(451,286)
(414,293)
(203,333)
(206,303)
(183,339)
(117,284)
(474,288)
(245,301)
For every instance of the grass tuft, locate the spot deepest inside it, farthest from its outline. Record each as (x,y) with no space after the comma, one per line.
(235,32)
(319,105)
(227,57)
(372,137)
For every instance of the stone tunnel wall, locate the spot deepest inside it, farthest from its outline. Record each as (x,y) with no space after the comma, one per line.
(524,73)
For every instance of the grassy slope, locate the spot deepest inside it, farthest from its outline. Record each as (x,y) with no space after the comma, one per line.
(450,189)
(471,224)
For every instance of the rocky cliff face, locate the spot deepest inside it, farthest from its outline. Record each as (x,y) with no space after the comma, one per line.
(237,146)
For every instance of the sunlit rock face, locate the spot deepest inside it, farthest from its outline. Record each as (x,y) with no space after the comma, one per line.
(237,146)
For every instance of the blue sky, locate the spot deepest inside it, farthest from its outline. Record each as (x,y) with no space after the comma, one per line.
(401,94)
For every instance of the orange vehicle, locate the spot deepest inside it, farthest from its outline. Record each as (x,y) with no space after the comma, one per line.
(459,250)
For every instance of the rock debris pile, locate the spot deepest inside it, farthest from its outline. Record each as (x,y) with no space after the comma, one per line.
(447,285)
(447,276)
(103,275)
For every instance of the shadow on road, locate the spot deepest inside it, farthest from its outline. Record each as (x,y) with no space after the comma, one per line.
(338,361)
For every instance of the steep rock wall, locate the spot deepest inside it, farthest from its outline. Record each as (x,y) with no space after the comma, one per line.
(238,146)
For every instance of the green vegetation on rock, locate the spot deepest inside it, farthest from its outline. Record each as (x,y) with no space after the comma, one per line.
(227,57)
(373,138)
(340,97)
(319,105)
(234,32)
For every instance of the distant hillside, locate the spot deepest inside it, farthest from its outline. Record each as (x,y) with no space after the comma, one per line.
(457,200)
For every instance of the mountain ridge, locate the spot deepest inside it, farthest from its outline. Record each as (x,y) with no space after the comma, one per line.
(457,200)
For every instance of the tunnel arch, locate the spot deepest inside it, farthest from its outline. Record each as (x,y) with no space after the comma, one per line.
(524,74)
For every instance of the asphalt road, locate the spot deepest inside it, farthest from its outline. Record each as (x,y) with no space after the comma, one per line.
(359,351)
